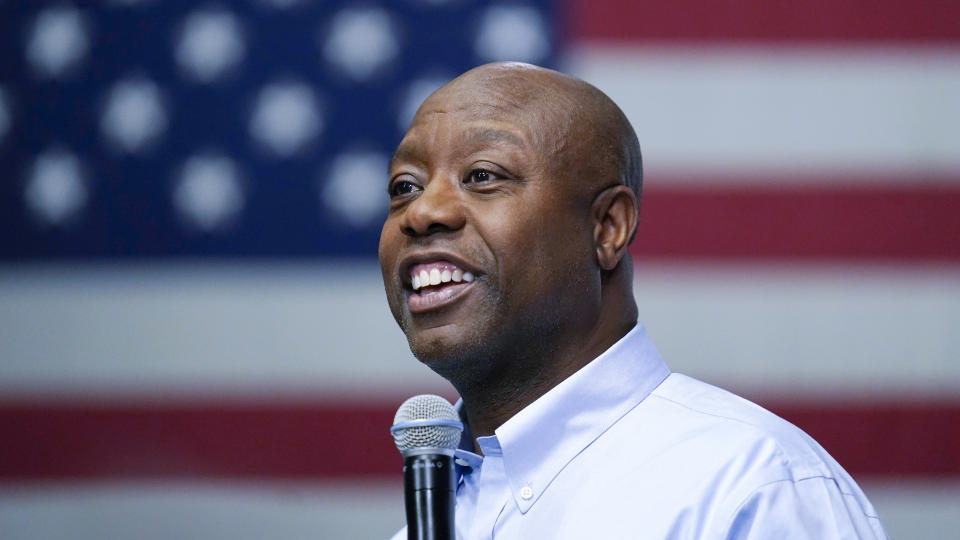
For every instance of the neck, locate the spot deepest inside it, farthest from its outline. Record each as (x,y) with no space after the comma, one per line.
(491,400)
(494,400)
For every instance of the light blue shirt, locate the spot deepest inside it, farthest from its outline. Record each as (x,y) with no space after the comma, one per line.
(625,449)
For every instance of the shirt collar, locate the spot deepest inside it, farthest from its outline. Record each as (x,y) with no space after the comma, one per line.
(539,441)
(464,458)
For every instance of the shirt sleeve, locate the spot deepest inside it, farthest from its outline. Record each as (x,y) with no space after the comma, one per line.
(809,509)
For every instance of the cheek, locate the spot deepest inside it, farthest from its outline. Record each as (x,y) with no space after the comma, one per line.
(550,234)
(388,251)
(387,248)
(557,251)
(534,249)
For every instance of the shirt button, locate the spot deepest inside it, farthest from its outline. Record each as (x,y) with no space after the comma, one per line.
(526,492)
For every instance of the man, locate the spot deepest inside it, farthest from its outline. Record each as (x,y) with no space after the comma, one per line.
(513,199)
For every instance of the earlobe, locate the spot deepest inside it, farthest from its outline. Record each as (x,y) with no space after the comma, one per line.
(615,213)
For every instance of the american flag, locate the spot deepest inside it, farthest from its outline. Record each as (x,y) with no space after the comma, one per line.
(194,337)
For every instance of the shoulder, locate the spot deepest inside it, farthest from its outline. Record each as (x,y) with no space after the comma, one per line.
(771,448)
(728,422)
(763,467)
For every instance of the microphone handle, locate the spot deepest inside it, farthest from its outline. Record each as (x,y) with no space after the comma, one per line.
(429,486)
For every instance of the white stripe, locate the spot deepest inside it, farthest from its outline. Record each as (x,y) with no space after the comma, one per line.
(916,508)
(753,112)
(806,330)
(325,328)
(241,511)
(231,511)
(269,328)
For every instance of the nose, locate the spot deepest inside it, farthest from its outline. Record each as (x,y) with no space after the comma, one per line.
(438,208)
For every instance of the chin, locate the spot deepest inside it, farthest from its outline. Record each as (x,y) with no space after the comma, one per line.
(455,358)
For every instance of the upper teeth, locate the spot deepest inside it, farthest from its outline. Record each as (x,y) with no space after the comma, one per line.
(423,277)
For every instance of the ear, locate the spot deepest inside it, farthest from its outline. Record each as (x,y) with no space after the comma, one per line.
(615,216)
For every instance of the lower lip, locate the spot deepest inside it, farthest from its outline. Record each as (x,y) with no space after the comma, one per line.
(420,303)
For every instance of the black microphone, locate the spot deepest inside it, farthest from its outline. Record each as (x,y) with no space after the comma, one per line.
(427,431)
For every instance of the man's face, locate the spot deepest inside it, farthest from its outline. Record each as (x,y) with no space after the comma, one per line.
(476,202)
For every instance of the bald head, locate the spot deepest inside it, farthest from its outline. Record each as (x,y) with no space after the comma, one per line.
(583,132)
(521,185)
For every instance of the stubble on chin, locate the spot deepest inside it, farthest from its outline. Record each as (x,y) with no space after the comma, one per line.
(462,362)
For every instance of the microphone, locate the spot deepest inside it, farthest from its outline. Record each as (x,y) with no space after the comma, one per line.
(427,431)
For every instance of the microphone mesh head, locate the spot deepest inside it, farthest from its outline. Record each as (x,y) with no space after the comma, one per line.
(431,416)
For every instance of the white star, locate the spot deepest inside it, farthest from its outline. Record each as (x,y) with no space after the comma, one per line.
(355,187)
(210,43)
(134,115)
(512,33)
(4,114)
(285,117)
(361,42)
(57,41)
(55,190)
(415,94)
(207,194)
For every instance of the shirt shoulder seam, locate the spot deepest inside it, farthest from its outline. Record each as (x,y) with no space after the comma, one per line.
(747,497)
(789,457)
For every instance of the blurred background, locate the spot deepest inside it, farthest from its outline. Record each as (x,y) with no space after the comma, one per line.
(194,341)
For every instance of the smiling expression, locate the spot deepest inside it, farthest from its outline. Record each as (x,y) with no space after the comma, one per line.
(487,246)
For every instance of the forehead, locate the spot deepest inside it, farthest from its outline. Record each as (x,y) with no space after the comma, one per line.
(470,121)
(446,134)
(467,137)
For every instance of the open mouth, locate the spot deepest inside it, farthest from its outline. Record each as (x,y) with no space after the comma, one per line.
(435,284)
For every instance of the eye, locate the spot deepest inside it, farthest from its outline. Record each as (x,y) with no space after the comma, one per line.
(401,187)
(479,176)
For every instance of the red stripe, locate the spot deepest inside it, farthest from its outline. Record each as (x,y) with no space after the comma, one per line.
(883,438)
(879,223)
(195,440)
(765,20)
(320,440)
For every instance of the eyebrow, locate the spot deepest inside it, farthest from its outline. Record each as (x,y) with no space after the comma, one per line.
(403,154)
